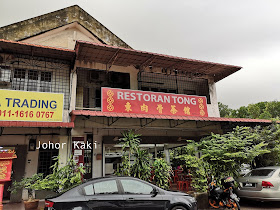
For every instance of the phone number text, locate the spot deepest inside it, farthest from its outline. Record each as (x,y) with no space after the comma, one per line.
(26,114)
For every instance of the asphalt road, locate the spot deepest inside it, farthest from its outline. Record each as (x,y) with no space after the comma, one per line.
(252,205)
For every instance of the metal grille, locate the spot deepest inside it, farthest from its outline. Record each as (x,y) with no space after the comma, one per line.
(19,72)
(157,82)
(90,82)
(46,160)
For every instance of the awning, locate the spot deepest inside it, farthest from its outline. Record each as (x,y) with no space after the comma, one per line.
(101,53)
(75,113)
(36,124)
(7,46)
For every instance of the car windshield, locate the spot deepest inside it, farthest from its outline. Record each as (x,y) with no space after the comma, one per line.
(261,172)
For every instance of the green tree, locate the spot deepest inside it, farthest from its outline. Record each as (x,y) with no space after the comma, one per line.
(225,153)
(254,111)
(197,167)
(162,173)
(225,111)
(141,166)
(29,183)
(131,141)
(273,108)
(63,178)
(271,135)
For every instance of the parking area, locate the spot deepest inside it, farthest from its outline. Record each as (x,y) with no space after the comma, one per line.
(245,205)
(252,205)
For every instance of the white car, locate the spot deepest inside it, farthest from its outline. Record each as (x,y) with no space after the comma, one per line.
(261,184)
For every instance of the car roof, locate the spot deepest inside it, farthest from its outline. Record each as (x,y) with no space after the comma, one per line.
(108,177)
(268,167)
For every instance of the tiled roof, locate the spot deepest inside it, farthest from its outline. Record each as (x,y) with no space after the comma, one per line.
(7,46)
(151,116)
(37,124)
(101,53)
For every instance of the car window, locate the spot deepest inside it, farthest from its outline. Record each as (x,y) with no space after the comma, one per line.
(136,187)
(103,187)
(261,172)
(89,189)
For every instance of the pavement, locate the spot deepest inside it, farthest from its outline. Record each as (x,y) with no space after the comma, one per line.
(20,206)
(245,205)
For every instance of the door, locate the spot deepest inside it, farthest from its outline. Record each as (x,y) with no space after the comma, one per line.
(138,196)
(103,195)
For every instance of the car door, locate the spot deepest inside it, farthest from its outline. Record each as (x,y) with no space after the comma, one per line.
(104,195)
(139,195)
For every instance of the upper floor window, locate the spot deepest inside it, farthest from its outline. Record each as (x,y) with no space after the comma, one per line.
(156,82)
(32,80)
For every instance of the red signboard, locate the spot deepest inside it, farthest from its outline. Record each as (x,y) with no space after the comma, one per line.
(144,102)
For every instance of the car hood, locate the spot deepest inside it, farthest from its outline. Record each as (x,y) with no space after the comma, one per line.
(178,193)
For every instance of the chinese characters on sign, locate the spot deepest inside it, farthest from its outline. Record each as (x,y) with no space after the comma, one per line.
(144,102)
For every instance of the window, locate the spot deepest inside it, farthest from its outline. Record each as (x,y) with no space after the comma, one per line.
(90,82)
(32,80)
(19,79)
(136,187)
(46,160)
(105,187)
(89,189)
(261,172)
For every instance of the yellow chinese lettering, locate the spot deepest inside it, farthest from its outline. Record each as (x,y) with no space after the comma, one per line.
(187,110)
(144,108)
(159,108)
(173,109)
(128,107)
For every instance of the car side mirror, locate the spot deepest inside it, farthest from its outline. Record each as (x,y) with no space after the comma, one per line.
(155,192)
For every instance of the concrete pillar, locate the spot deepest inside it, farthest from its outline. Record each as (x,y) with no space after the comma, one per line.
(64,150)
(73,83)
(166,153)
(97,164)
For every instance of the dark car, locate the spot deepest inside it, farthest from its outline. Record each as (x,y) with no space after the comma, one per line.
(120,193)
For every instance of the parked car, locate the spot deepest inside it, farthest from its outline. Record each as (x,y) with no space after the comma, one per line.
(261,184)
(120,193)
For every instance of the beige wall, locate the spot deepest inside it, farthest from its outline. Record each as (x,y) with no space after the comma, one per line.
(21,136)
(63,37)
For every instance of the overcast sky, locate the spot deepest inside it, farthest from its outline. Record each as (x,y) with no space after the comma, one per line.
(237,32)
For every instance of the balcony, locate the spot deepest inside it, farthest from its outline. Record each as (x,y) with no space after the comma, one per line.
(90,82)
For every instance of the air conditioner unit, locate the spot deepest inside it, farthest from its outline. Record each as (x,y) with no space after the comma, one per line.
(5,75)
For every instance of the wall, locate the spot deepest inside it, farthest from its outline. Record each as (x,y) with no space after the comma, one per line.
(21,136)
(213,108)
(63,37)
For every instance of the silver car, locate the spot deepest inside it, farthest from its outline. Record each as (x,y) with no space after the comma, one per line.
(261,184)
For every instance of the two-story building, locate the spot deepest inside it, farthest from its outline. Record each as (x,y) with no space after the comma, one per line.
(53,72)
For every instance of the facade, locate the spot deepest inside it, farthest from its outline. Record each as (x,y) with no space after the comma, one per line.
(69,52)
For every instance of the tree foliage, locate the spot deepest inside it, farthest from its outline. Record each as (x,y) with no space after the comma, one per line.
(29,183)
(142,166)
(63,178)
(261,110)
(270,135)
(225,153)
(162,173)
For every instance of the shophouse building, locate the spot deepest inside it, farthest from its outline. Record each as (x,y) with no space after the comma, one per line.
(54,71)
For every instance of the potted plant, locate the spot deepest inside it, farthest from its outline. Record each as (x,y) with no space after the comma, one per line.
(30,184)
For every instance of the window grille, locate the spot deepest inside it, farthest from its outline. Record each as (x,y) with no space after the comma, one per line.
(20,72)
(46,160)
(157,82)
(89,85)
